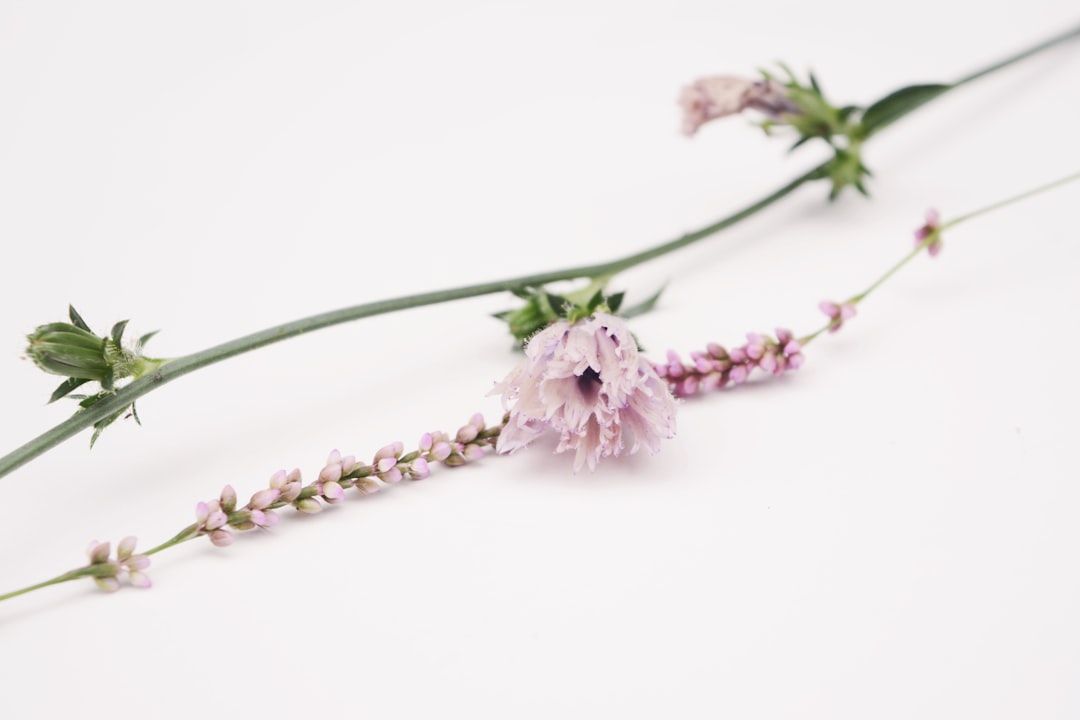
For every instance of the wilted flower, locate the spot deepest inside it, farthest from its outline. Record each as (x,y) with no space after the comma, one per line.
(721,95)
(587,382)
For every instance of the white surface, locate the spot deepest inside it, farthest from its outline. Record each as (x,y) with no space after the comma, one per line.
(889,533)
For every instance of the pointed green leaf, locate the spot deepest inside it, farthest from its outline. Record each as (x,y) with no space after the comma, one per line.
(645,305)
(118,331)
(66,387)
(502,314)
(76,319)
(595,300)
(897,104)
(524,292)
(135,414)
(614,302)
(558,304)
(146,338)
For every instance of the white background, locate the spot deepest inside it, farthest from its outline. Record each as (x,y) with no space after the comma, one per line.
(889,533)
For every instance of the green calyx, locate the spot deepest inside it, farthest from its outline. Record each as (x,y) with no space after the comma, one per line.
(542,308)
(71,349)
(843,128)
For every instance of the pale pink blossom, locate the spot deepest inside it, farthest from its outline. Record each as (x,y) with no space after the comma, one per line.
(586,382)
(718,96)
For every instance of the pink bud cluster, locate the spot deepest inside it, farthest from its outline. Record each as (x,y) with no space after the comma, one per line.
(107,571)
(717,367)
(218,518)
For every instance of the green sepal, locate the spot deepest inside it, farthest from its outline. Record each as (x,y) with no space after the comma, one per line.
(558,304)
(614,302)
(118,331)
(644,306)
(898,103)
(66,387)
(145,339)
(77,320)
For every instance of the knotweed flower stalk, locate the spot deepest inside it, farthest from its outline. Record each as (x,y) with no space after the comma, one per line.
(113,403)
(716,367)
(220,519)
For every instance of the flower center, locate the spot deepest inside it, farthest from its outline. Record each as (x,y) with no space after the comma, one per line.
(589,384)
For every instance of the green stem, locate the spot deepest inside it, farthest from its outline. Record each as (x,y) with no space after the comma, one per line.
(66,577)
(182,366)
(935,236)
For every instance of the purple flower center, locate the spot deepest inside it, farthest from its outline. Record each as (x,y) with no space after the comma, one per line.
(589,384)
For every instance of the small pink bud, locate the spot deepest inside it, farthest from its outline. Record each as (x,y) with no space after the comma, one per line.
(264,498)
(370,485)
(420,468)
(228,499)
(138,562)
(332,492)
(221,538)
(125,548)
(330,473)
(348,464)
(385,464)
(441,451)
(474,452)
(277,480)
(98,552)
(467,434)
(391,476)
(309,506)
(202,512)
(477,421)
(426,442)
(334,457)
(108,584)
(291,491)
(269,519)
(393,450)
(139,580)
(216,520)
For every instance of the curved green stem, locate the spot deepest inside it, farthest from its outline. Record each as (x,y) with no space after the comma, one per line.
(182,366)
(936,237)
(66,577)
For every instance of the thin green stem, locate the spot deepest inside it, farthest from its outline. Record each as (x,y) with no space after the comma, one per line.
(66,577)
(181,366)
(935,236)
(1010,200)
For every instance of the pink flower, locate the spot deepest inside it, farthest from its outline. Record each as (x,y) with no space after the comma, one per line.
(837,312)
(932,228)
(586,382)
(722,95)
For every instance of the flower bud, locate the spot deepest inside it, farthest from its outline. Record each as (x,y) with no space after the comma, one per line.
(64,349)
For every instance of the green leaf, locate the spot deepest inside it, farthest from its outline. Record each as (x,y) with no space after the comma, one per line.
(558,304)
(118,331)
(101,425)
(645,305)
(502,314)
(524,292)
(595,300)
(76,319)
(66,387)
(614,302)
(146,338)
(135,414)
(897,104)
